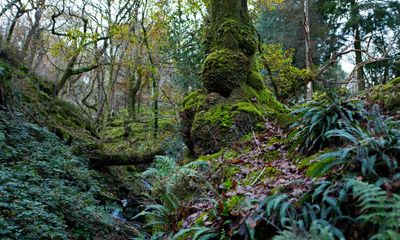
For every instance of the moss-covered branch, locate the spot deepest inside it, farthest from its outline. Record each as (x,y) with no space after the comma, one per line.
(99,160)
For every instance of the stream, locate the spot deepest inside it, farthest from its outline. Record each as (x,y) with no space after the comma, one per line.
(129,208)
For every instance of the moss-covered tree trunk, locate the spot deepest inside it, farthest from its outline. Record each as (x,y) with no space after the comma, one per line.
(235,100)
(230,45)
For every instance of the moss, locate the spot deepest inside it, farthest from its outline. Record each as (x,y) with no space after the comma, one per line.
(224,70)
(317,168)
(233,203)
(247,107)
(221,115)
(271,155)
(200,219)
(236,36)
(211,122)
(255,80)
(211,156)
(388,95)
(262,175)
(194,100)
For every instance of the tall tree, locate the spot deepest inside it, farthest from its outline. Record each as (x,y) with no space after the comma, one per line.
(368,25)
(235,99)
(307,36)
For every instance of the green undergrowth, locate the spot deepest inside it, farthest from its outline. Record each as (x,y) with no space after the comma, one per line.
(46,191)
(34,97)
(122,133)
(388,95)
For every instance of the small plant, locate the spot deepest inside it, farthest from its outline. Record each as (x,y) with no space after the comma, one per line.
(162,219)
(318,117)
(373,151)
(316,218)
(378,209)
(168,176)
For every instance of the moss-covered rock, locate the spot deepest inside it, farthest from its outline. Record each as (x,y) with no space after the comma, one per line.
(387,95)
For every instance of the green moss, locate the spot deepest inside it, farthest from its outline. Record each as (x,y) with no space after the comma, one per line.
(262,175)
(388,95)
(255,80)
(233,203)
(225,70)
(227,184)
(247,107)
(221,115)
(194,100)
(271,155)
(312,164)
(317,168)
(237,36)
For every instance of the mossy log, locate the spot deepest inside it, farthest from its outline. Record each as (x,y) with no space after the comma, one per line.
(99,160)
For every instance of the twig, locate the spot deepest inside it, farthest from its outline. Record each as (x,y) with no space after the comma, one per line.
(256,180)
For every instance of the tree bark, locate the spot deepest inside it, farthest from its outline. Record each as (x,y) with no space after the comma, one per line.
(357,45)
(307,34)
(34,29)
(134,87)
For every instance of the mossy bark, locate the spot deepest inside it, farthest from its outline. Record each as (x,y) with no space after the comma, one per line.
(235,100)
(230,44)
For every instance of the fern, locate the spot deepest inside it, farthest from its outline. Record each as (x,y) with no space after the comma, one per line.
(373,150)
(161,218)
(318,117)
(168,176)
(312,220)
(377,208)
(196,233)
(319,230)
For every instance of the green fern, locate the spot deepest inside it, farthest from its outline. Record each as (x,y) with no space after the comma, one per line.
(318,117)
(167,175)
(377,208)
(196,233)
(373,150)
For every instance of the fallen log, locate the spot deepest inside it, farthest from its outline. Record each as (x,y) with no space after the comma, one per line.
(99,160)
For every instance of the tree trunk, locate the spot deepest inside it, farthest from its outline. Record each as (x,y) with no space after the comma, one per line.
(33,31)
(134,87)
(230,45)
(357,45)
(307,34)
(12,27)
(67,74)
